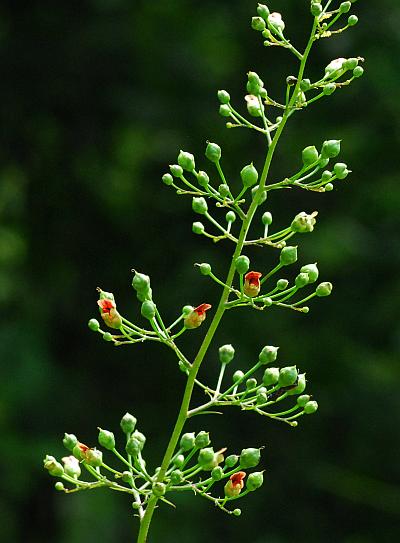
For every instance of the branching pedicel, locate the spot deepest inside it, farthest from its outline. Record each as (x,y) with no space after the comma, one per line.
(190,463)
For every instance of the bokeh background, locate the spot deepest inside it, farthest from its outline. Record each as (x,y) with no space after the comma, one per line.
(97,97)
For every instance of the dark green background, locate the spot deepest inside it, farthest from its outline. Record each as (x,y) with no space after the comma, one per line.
(97,97)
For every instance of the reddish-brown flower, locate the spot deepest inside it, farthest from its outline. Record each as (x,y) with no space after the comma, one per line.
(252,283)
(109,313)
(235,484)
(197,316)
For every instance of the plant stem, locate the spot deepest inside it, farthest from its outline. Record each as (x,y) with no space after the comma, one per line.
(183,412)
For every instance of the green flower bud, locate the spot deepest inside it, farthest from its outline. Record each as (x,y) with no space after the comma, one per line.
(301,280)
(328,187)
(261,197)
(324,289)
(287,376)
(237,512)
(352,21)
(132,447)
(198,228)
(199,205)
(254,85)
(262,398)
(263,11)
(251,383)
(309,155)
(94,325)
(187,441)
(330,149)
(230,216)
(127,477)
(69,441)
(224,97)
(217,473)
(231,460)
(202,440)
(310,408)
(167,179)
(304,222)
(94,458)
(141,438)
(206,457)
(266,218)
(148,309)
(249,175)
(358,72)
(267,301)
(107,336)
(59,486)
(128,423)
(301,385)
(52,466)
(106,439)
(213,152)
(312,271)
(141,282)
(282,284)
(203,179)
(176,477)
(223,190)
(224,110)
(271,376)
(242,264)
(186,310)
(340,170)
(258,23)
(305,85)
(288,256)
(250,458)
(255,480)
(351,63)
(205,268)
(316,9)
(159,489)
(303,400)
(323,162)
(326,175)
(179,461)
(237,376)
(176,170)
(226,354)
(275,23)
(345,7)
(268,354)
(186,161)
(329,89)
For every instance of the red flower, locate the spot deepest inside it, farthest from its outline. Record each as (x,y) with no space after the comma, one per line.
(109,313)
(197,316)
(252,283)
(235,484)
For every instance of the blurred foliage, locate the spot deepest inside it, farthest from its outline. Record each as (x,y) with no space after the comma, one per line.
(97,97)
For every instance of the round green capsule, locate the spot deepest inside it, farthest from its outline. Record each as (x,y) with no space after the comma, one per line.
(213,152)
(242,264)
(223,190)
(329,89)
(250,458)
(330,148)
(282,284)
(237,376)
(263,11)
(288,376)
(230,217)
(309,155)
(107,336)
(237,512)
(94,325)
(358,72)
(310,407)
(226,354)
(167,179)
(352,21)
(179,461)
(324,289)
(328,187)
(187,441)
(249,175)
(205,268)
(198,228)
(254,480)
(266,218)
(148,309)
(288,256)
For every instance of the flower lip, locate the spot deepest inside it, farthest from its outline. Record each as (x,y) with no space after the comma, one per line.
(106,305)
(253,277)
(202,308)
(237,478)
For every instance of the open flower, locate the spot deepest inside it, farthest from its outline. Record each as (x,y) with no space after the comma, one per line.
(252,283)
(235,484)
(197,316)
(109,313)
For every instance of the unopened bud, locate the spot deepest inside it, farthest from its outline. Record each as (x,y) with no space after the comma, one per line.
(275,23)
(128,423)
(312,271)
(271,376)
(258,23)
(69,441)
(187,441)
(263,11)
(223,190)
(324,289)
(186,161)
(301,280)
(288,376)
(310,407)
(268,354)
(224,97)
(202,440)
(330,149)
(250,458)
(231,460)
(198,228)
(148,309)
(199,205)
(94,325)
(226,354)
(224,110)
(309,155)
(213,152)
(237,376)
(249,175)
(303,400)
(242,264)
(176,170)
(254,480)
(288,256)
(301,385)
(230,216)
(205,268)
(352,21)
(167,179)
(266,218)
(340,170)
(106,439)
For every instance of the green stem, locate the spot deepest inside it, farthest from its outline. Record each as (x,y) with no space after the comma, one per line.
(183,411)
